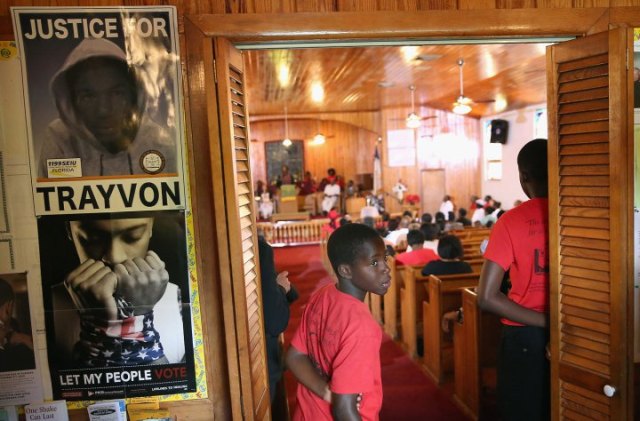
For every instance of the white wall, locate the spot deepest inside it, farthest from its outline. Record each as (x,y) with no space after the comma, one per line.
(521,130)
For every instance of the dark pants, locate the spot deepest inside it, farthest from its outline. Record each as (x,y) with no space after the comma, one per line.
(523,374)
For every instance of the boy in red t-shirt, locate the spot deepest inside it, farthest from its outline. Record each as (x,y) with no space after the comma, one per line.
(419,255)
(519,243)
(335,353)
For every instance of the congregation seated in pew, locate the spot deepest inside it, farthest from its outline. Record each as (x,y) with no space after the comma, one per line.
(417,255)
(451,254)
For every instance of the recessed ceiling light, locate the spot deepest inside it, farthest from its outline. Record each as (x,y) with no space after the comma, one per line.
(427,57)
(385,84)
(317,92)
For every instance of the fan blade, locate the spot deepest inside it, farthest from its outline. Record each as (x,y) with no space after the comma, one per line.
(484,101)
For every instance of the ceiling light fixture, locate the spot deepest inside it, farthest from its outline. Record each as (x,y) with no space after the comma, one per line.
(283,74)
(462,105)
(319,139)
(413,120)
(409,52)
(317,92)
(286,142)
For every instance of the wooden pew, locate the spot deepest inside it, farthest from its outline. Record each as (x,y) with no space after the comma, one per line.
(391,302)
(476,264)
(392,298)
(470,233)
(443,295)
(412,293)
(476,342)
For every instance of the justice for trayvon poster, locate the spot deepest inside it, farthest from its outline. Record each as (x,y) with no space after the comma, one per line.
(116,304)
(103,104)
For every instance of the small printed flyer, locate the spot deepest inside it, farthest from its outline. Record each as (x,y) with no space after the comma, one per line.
(20,381)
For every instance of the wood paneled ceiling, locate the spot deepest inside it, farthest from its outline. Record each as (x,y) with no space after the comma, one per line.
(352,78)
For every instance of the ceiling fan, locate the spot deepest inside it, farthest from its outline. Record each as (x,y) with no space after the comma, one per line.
(413,120)
(319,138)
(463,104)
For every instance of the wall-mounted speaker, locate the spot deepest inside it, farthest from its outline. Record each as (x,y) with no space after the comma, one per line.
(499,131)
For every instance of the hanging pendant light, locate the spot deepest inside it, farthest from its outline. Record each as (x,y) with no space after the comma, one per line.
(462,105)
(286,142)
(413,120)
(319,138)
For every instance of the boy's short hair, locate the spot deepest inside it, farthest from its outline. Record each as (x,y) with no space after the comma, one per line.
(462,212)
(346,242)
(532,160)
(450,247)
(429,231)
(415,237)
(6,292)
(393,224)
(426,217)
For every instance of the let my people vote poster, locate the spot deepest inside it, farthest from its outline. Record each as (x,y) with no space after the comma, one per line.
(104,108)
(117,304)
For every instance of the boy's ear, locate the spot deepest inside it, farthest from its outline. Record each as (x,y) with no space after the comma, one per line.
(344,271)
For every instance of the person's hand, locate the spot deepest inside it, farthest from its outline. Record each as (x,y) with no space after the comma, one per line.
(91,287)
(142,282)
(547,351)
(447,319)
(283,280)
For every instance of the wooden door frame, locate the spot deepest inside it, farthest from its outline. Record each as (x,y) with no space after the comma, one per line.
(297,27)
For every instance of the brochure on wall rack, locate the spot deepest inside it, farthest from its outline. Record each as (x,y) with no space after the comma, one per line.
(104,108)
(50,411)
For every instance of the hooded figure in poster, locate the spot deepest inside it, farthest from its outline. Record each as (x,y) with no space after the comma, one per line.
(103,120)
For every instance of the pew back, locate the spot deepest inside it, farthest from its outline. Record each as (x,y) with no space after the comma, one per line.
(412,294)
(476,343)
(444,294)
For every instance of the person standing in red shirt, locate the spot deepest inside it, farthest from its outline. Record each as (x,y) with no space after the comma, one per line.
(335,353)
(519,243)
(418,256)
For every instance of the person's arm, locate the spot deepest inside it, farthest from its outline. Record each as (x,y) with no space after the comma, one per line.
(491,299)
(345,407)
(274,291)
(303,369)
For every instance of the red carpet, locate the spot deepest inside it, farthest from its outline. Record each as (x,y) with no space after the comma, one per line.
(408,392)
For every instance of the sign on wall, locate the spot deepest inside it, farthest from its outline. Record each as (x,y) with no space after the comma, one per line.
(102,88)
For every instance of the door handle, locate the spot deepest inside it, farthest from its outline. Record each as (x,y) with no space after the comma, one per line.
(609,391)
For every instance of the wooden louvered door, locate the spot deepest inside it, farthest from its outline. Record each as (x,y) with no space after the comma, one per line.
(591,226)
(242,239)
